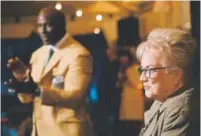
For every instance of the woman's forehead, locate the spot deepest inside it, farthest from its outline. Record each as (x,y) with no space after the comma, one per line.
(153,57)
(152,52)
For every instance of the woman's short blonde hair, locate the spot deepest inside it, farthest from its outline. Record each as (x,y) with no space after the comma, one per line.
(176,44)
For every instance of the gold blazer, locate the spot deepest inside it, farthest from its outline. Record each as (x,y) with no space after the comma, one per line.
(60,110)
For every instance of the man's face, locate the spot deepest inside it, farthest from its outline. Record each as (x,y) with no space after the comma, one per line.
(48,29)
(158,83)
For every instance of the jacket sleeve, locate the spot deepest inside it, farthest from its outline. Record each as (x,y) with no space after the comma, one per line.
(26,98)
(177,122)
(76,82)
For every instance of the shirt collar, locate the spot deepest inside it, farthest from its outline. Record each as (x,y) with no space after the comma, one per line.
(52,47)
(182,93)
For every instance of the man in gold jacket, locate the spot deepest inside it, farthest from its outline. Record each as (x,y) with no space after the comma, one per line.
(62,79)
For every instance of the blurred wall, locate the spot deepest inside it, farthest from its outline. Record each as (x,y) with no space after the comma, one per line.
(76,26)
(175,14)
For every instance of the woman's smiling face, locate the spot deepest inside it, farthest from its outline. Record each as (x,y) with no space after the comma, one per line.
(157,81)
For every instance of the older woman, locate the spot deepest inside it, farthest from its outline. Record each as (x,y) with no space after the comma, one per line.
(166,60)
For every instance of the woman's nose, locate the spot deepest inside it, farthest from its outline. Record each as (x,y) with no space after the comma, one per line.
(143,77)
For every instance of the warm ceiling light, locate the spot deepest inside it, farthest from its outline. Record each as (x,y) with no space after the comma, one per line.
(96,30)
(79,13)
(99,17)
(58,6)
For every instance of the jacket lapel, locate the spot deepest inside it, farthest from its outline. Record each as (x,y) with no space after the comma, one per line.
(151,118)
(53,61)
(65,42)
(38,66)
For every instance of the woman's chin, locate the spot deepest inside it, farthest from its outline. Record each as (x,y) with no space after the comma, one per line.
(148,93)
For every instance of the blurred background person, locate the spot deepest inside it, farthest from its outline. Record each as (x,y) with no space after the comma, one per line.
(131,106)
(166,66)
(59,107)
(108,103)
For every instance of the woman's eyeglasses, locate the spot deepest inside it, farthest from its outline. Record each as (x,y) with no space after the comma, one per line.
(148,72)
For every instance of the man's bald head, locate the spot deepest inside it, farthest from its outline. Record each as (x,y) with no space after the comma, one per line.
(54,16)
(51,25)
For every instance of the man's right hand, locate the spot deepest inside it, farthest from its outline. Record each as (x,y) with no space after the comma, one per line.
(19,69)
